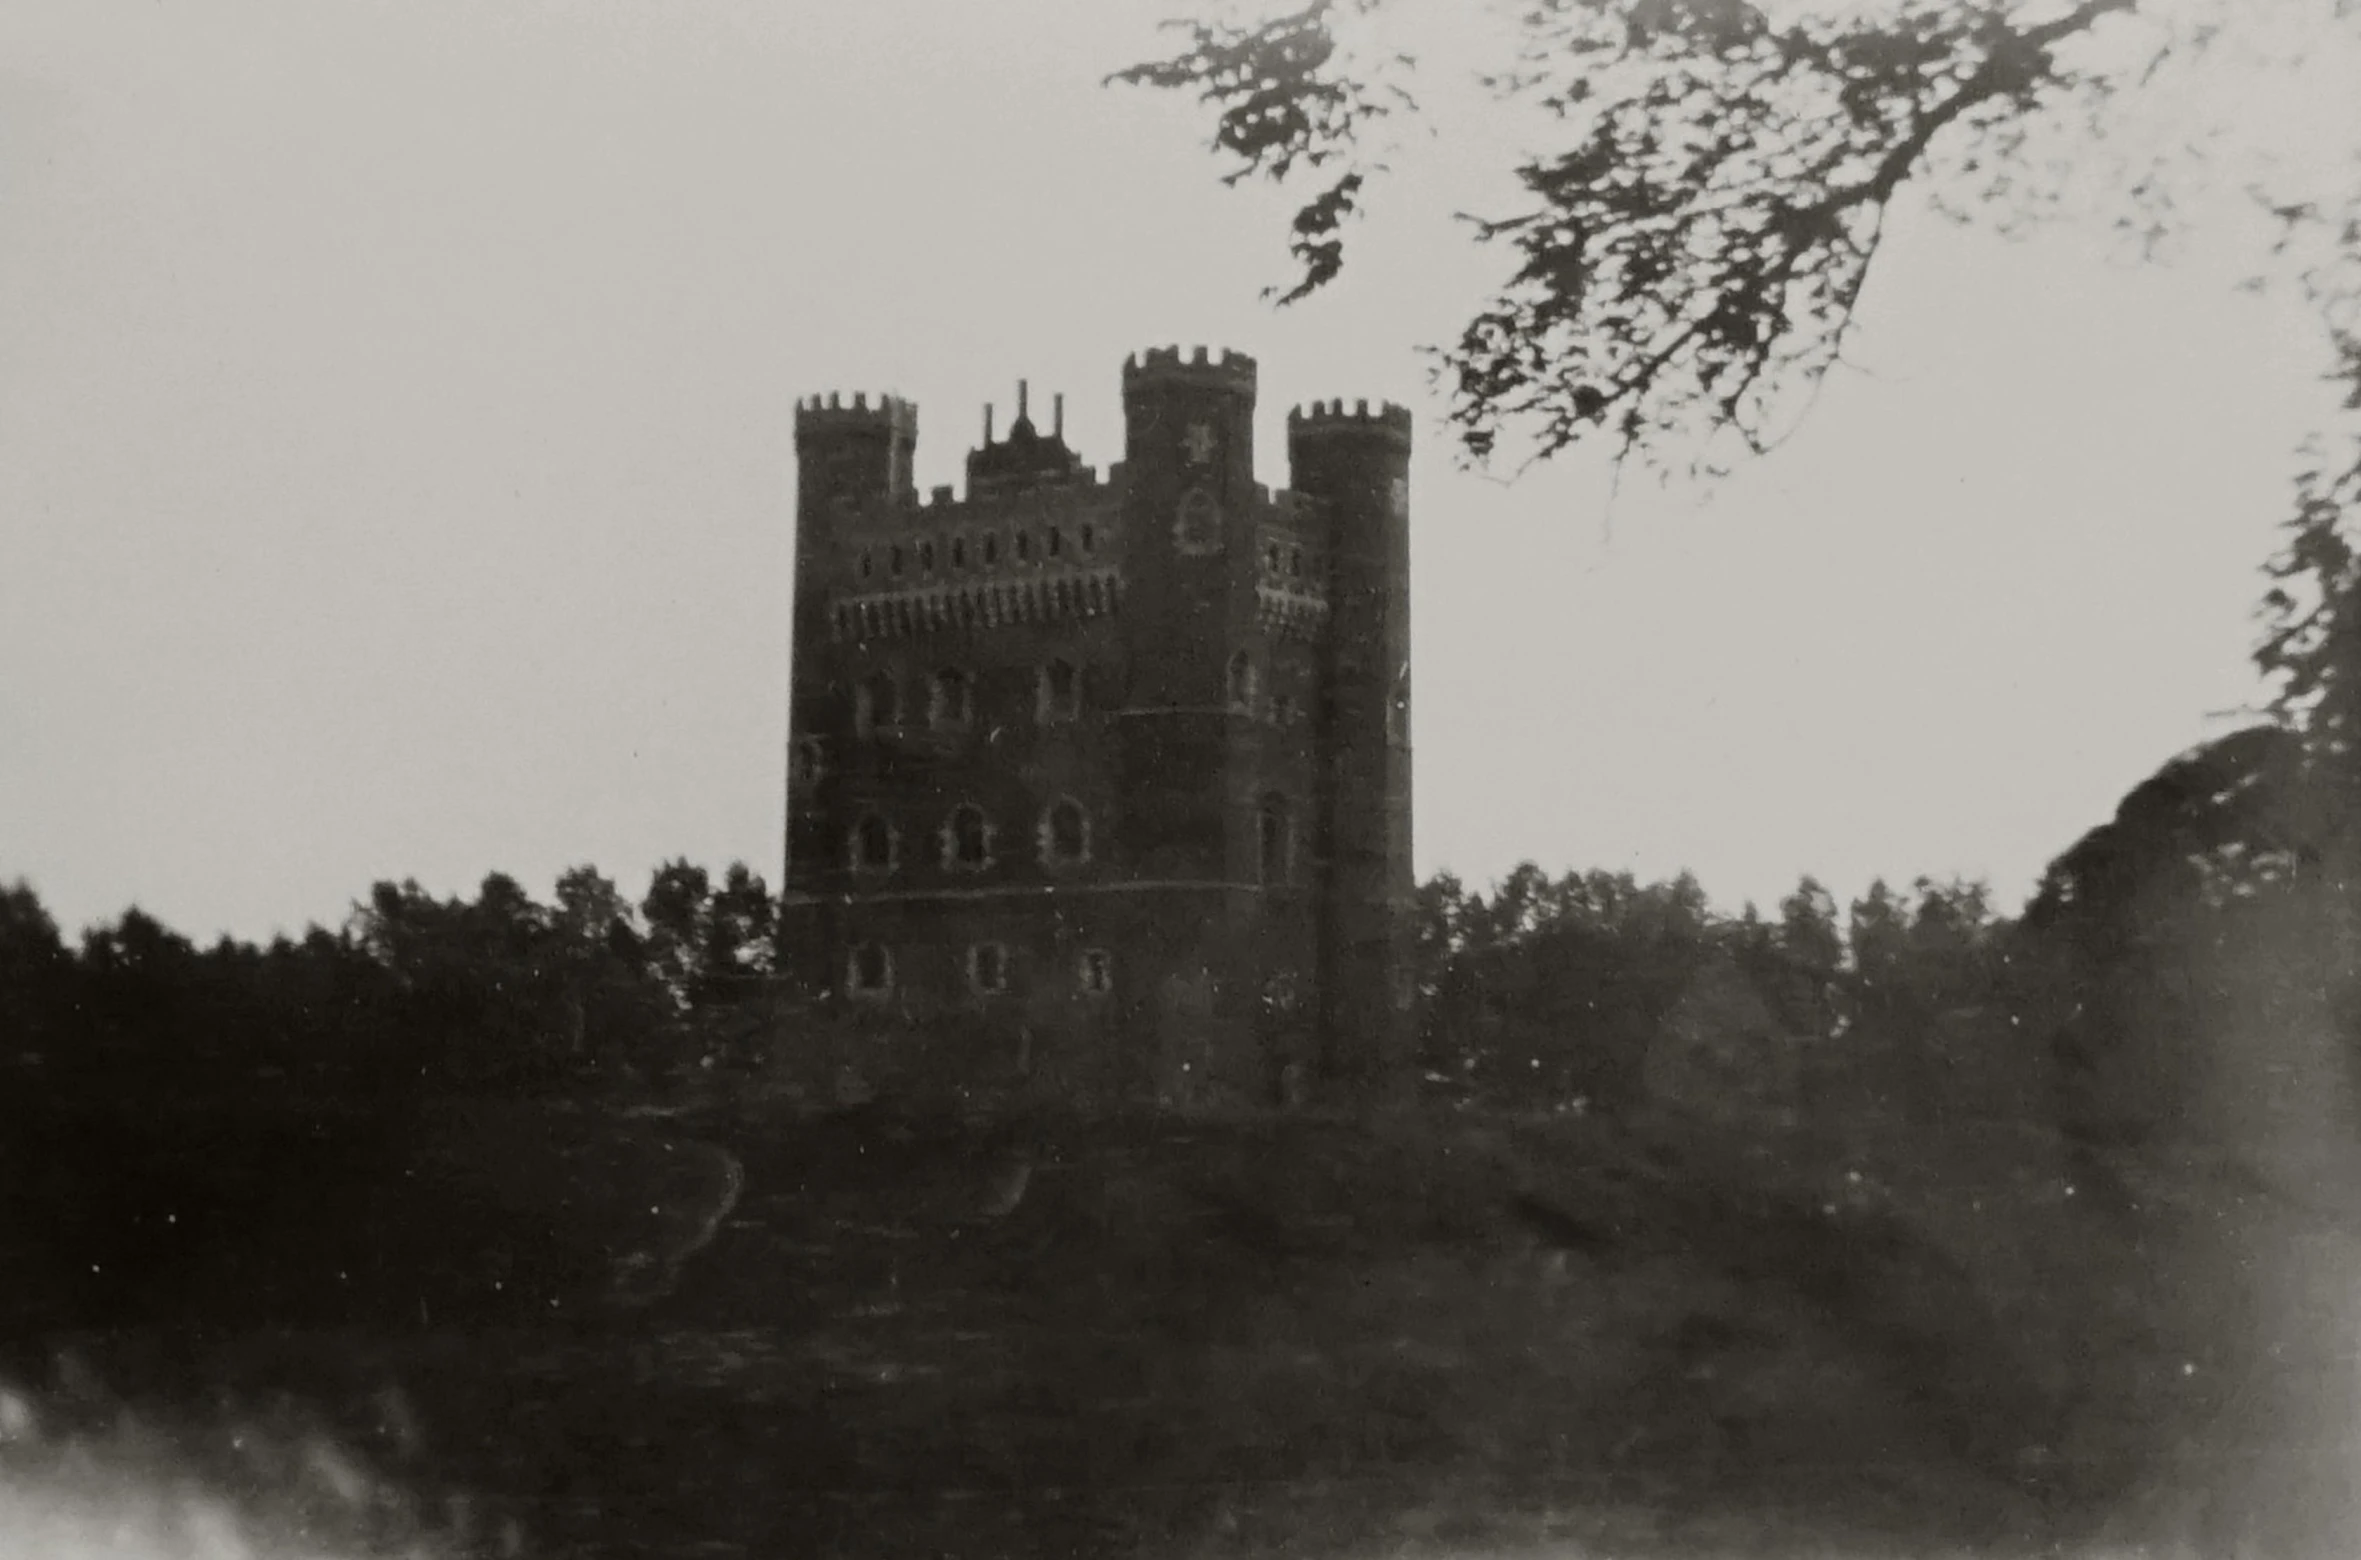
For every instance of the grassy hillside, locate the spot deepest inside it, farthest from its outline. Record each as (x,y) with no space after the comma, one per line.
(740,1330)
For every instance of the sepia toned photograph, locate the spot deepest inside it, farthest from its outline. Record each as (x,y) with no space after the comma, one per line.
(722,836)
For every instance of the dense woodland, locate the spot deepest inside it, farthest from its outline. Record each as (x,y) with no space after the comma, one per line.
(1589,992)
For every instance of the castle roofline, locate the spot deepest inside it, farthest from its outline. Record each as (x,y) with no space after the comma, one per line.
(1226,369)
(1322,419)
(818,414)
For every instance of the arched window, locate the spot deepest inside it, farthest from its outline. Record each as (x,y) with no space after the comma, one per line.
(1055,546)
(1096,972)
(1090,538)
(926,556)
(1057,694)
(991,546)
(987,967)
(954,703)
(1024,546)
(1242,681)
(1275,841)
(876,704)
(893,560)
(874,846)
(967,840)
(869,970)
(1065,833)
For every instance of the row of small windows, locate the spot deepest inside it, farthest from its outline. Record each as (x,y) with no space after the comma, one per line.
(951,699)
(966,840)
(961,552)
(869,970)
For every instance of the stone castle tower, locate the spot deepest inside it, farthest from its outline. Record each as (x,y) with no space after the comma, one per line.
(1120,766)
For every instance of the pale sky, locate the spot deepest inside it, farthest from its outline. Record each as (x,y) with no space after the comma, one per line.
(396,460)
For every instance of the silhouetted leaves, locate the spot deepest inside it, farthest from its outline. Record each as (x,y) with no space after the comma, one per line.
(1691,252)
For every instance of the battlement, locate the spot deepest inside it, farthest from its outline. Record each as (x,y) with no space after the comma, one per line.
(1322,418)
(1225,369)
(817,414)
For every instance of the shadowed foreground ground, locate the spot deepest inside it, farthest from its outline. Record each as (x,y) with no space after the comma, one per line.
(1056,1337)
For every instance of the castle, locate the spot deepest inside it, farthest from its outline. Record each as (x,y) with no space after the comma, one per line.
(1118,768)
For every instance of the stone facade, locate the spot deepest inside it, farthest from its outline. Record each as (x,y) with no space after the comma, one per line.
(1116,768)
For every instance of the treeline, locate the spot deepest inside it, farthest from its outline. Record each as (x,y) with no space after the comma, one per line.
(1595,991)
(412,994)
(2191,915)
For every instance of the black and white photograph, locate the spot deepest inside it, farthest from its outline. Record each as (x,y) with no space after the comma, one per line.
(1180,779)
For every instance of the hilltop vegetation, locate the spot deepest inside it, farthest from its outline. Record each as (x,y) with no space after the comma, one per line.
(1919,1224)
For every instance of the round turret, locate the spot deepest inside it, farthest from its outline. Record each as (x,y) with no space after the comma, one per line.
(1331,419)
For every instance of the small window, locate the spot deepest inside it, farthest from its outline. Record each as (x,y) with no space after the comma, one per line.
(987,968)
(1275,842)
(1242,681)
(991,546)
(876,704)
(1096,972)
(958,552)
(874,845)
(894,560)
(868,563)
(811,761)
(1295,562)
(1055,543)
(1058,693)
(1024,546)
(926,557)
(1270,559)
(954,704)
(967,840)
(869,970)
(1065,833)
(1090,538)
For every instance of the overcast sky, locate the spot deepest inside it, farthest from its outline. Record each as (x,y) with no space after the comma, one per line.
(396,463)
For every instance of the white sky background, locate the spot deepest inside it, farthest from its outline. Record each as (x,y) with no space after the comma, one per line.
(396,459)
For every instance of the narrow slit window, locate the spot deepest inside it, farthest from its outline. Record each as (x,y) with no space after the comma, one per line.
(954,703)
(1242,681)
(1065,833)
(869,970)
(1275,841)
(1059,696)
(873,844)
(876,704)
(967,839)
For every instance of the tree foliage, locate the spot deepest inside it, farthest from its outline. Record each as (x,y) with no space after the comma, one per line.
(414,993)
(1714,182)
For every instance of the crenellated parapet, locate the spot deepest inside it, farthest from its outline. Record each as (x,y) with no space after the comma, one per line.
(829,414)
(1327,419)
(1223,370)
